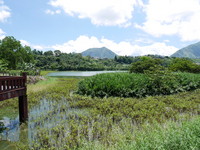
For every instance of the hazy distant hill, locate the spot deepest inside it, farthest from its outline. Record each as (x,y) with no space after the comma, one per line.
(191,51)
(99,53)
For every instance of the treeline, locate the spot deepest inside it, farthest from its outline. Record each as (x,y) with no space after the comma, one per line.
(147,63)
(56,60)
(15,56)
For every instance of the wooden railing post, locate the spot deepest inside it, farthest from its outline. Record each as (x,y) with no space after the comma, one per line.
(23,103)
(23,108)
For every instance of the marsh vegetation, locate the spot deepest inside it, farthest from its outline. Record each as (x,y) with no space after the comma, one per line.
(61,119)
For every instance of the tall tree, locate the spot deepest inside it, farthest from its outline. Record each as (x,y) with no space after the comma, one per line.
(14,53)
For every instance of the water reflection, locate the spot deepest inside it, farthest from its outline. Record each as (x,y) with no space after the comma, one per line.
(11,129)
(47,114)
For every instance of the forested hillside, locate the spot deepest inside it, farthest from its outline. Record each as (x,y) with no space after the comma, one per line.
(99,53)
(191,51)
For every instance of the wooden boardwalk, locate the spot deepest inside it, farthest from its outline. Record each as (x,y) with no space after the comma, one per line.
(15,86)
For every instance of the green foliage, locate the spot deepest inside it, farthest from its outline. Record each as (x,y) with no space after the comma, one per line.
(19,72)
(6,145)
(48,53)
(73,61)
(172,137)
(197,61)
(144,64)
(3,65)
(184,65)
(14,53)
(156,82)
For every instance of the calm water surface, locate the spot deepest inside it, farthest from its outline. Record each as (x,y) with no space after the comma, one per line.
(79,73)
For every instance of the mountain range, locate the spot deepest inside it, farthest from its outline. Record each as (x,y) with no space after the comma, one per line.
(99,53)
(191,51)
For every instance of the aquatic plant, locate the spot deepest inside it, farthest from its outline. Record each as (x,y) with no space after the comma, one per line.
(64,120)
(138,85)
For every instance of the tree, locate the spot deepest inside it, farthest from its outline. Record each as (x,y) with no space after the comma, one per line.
(8,47)
(14,53)
(145,63)
(57,52)
(48,53)
(3,65)
(184,65)
(36,52)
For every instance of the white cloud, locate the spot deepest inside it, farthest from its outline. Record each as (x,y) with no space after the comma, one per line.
(4,11)
(38,47)
(122,48)
(24,43)
(173,17)
(144,40)
(100,12)
(156,48)
(52,12)
(2,34)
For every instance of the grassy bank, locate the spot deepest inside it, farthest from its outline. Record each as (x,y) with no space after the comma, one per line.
(44,73)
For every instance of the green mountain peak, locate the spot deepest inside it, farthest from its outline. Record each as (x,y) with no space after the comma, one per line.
(191,51)
(102,52)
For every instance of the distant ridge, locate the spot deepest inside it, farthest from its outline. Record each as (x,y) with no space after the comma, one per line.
(99,53)
(191,51)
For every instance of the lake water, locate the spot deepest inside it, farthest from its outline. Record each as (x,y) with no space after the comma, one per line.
(79,73)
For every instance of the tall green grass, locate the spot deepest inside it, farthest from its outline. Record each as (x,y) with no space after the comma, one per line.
(137,85)
(168,136)
(45,72)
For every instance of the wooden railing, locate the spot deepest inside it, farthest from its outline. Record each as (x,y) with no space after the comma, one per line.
(15,86)
(12,86)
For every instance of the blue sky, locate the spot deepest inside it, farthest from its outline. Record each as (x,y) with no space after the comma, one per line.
(127,27)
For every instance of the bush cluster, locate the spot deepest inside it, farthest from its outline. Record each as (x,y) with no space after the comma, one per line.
(138,85)
(146,63)
(184,65)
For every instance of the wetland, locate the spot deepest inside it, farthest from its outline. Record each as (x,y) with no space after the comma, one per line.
(60,118)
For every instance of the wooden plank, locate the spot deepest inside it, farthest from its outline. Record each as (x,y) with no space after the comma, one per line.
(12,93)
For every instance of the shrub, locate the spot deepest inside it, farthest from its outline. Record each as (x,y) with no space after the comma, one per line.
(145,63)
(157,82)
(184,65)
